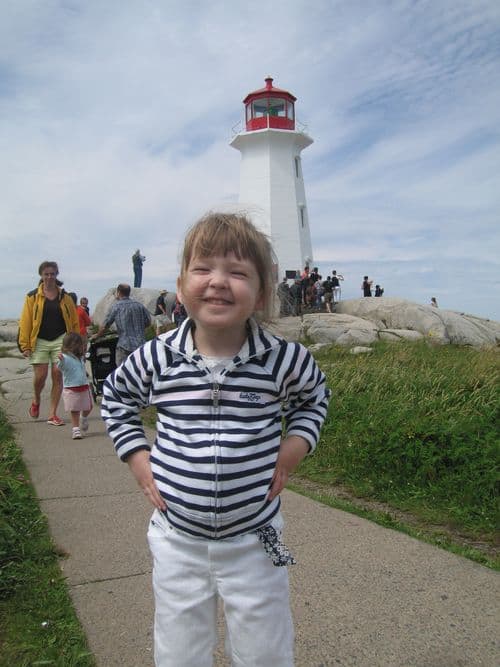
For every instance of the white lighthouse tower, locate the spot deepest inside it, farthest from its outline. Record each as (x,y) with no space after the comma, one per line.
(271,182)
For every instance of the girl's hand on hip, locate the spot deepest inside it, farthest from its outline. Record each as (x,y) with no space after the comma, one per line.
(292,451)
(140,466)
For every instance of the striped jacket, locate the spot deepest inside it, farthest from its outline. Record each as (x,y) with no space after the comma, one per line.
(218,435)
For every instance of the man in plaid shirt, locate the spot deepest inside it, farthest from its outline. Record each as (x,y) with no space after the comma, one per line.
(131,319)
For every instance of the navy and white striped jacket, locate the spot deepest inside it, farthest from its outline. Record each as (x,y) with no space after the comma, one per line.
(218,436)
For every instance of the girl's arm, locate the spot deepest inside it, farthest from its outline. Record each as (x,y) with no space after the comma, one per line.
(292,450)
(140,467)
(125,392)
(306,396)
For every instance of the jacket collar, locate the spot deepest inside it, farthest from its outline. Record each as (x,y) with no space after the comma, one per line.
(59,289)
(258,342)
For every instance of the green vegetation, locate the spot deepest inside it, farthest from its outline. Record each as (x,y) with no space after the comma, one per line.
(417,427)
(38,625)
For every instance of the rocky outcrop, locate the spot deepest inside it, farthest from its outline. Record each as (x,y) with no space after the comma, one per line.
(356,322)
(361,322)
(145,296)
(440,326)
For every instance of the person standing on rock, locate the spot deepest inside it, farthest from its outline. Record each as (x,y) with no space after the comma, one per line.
(336,278)
(131,319)
(161,316)
(284,298)
(366,286)
(137,262)
(48,314)
(328,293)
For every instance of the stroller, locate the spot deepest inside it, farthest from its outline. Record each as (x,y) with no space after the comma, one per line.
(101,354)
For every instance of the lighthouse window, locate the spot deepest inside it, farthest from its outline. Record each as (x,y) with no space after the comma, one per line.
(302,216)
(277,107)
(259,108)
(272,106)
(297,167)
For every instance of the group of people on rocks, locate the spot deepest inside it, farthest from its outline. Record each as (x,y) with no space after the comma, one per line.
(309,292)
(366,288)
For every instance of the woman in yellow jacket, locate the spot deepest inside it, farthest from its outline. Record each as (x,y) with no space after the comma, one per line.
(48,314)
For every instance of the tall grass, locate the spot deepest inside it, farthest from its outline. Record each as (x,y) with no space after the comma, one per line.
(417,426)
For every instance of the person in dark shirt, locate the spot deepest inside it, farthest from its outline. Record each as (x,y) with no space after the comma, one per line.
(366,286)
(137,262)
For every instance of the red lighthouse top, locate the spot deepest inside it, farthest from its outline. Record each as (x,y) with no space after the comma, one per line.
(270,107)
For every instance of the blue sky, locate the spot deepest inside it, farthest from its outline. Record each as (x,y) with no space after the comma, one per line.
(116,117)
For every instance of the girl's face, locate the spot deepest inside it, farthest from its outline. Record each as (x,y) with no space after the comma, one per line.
(220,292)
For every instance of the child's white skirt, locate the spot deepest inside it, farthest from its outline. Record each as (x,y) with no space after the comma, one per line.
(190,573)
(77,401)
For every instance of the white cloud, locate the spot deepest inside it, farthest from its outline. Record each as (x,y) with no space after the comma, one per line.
(115,120)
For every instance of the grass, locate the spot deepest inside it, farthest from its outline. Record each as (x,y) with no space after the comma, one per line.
(417,427)
(38,624)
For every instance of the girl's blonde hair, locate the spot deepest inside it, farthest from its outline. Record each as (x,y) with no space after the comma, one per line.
(220,233)
(73,343)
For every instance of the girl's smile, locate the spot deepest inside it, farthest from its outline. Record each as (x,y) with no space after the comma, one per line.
(220,293)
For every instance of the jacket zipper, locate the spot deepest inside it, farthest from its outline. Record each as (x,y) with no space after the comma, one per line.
(215,404)
(215,394)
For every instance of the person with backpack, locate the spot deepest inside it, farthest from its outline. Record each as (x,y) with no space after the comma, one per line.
(48,314)
(328,293)
(161,316)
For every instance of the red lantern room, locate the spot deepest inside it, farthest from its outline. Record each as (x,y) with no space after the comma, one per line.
(269,107)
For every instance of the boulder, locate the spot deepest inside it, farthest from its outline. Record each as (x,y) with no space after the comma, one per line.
(439,326)
(326,329)
(290,328)
(396,335)
(360,322)
(393,313)
(465,329)
(344,330)
(145,296)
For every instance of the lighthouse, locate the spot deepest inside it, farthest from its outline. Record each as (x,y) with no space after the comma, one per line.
(271,181)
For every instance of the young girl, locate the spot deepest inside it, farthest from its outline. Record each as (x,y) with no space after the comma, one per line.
(223,387)
(76,391)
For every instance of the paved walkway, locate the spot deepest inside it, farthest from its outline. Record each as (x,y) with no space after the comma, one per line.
(362,595)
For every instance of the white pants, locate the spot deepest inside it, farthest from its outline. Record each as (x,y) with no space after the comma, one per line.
(188,575)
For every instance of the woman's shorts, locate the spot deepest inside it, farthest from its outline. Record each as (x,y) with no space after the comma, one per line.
(76,401)
(46,351)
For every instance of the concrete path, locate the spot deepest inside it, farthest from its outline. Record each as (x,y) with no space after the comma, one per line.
(362,595)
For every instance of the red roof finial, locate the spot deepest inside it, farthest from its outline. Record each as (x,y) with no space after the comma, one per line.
(269,82)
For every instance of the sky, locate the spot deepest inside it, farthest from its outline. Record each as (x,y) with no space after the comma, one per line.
(116,118)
